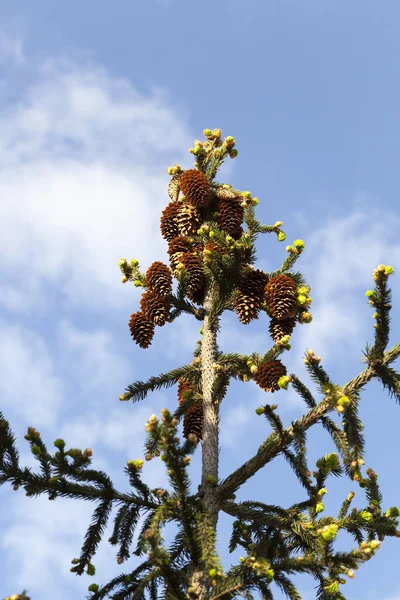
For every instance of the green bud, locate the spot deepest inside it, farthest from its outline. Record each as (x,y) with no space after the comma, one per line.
(343,401)
(283,382)
(375,315)
(322,492)
(137,283)
(211,234)
(319,507)
(299,244)
(301,299)
(93,587)
(91,569)
(260,410)
(207,133)
(255,201)
(201,331)
(246,195)
(270,573)
(332,588)
(374,544)
(365,515)
(212,480)
(197,150)
(134,263)
(212,572)
(389,270)
(233,153)
(369,293)
(36,450)
(281,236)
(392,512)
(242,559)
(121,262)
(59,443)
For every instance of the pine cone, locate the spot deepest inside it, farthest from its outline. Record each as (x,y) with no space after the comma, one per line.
(268,375)
(278,329)
(169,221)
(195,272)
(155,308)
(193,419)
(196,187)
(142,330)
(248,302)
(188,219)
(197,296)
(225,192)
(230,217)
(215,247)
(159,279)
(175,249)
(174,187)
(280,295)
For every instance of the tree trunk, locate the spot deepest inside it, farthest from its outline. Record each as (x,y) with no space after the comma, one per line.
(210,432)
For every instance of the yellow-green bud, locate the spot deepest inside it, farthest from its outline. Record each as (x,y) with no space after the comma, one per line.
(207,133)
(299,244)
(278,224)
(212,480)
(211,234)
(290,249)
(254,368)
(124,279)
(350,573)
(93,587)
(375,315)
(217,133)
(369,293)
(180,267)
(134,263)
(197,150)
(374,544)
(304,289)
(255,201)
(301,299)
(137,283)
(122,397)
(121,262)
(260,410)
(389,270)
(229,239)
(233,153)
(350,496)
(365,515)
(343,401)
(170,170)
(305,317)
(393,511)
(332,588)
(283,382)
(281,236)
(201,331)
(246,195)
(319,507)
(230,141)
(212,572)
(91,569)
(329,532)
(322,492)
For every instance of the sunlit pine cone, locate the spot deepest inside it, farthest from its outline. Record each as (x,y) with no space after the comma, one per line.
(174,187)
(195,272)
(159,279)
(225,192)
(188,219)
(193,419)
(250,297)
(281,297)
(230,217)
(169,221)
(278,329)
(268,375)
(155,308)
(195,187)
(142,330)
(176,247)
(215,247)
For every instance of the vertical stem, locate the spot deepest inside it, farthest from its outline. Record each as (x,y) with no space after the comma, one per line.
(199,583)
(211,411)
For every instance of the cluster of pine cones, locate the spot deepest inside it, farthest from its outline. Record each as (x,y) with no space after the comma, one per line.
(181,220)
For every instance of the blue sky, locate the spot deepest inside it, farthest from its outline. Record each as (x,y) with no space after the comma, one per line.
(95,102)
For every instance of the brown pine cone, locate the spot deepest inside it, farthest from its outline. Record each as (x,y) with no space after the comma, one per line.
(196,278)
(225,192)
(159,279)
(281,297)
(278,329)
(193,419)
(195,187)
(249,300)
(268,375)
(142,330)
(169,221)
(176,247)
(230,217)
(188,219)
(155,308)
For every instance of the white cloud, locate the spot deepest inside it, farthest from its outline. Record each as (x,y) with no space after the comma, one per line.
(29,385)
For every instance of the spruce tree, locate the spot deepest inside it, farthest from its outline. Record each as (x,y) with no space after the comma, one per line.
(211,230)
